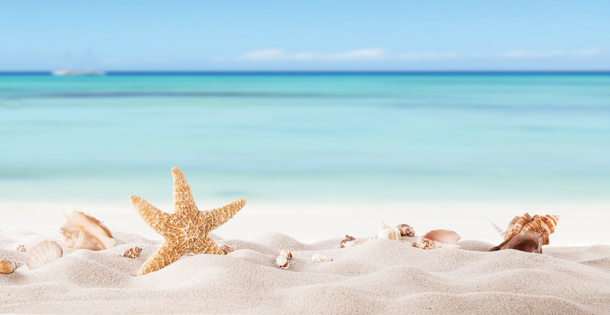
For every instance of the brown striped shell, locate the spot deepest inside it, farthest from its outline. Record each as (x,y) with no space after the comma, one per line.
(543,225)
(8,266)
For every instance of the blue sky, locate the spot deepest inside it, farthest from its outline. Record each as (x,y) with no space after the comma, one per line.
(305,35)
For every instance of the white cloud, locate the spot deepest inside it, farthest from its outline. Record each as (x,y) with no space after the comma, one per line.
(359,54)
(556,53)
(431,55)
(277,54)
(268,54)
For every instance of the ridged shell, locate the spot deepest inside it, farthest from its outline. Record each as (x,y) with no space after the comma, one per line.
(406,230)
(390,233)
(132,253)
(438,239)
(543,225)
(43,253)
(83,231)
(8,266)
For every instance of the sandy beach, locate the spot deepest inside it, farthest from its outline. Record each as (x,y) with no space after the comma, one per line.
(378,277)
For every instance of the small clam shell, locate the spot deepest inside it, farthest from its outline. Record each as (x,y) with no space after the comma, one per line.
(132,253)
(282,262)
(8,266)
(21,248)
(319,258)
(406,230)
(284,252)
(226,249)
(43,253)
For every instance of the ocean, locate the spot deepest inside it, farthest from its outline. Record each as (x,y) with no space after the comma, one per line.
(318,137)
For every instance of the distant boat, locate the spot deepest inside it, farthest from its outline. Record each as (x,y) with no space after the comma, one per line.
(69,72)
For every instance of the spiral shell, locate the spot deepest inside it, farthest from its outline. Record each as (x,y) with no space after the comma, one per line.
(8,266)
(406,230)
(526,241)
(83,231)
(132,253)
(43,253)
(544,226)
(438,239)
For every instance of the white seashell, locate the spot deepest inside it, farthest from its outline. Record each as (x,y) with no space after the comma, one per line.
(351,243)
(388,232)
(21,248)
(86,232)
(284,252)
(319,258)
(43,253)
(282,262)
(8,266)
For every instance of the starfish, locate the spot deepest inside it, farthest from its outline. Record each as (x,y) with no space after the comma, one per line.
(186,230)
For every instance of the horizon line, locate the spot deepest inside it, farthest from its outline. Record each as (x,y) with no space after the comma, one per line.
(314,72)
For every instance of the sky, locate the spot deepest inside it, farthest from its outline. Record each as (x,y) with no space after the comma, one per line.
(351,35)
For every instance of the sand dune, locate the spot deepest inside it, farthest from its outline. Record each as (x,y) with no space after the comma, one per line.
(379,276)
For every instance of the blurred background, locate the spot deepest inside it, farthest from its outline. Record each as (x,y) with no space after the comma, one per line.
(315,110)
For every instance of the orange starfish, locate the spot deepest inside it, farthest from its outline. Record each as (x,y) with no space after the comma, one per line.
(186,230)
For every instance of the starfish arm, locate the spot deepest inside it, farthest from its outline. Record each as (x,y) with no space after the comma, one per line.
(183,198)
(154,217)
(167,254)
(206,245)
(220,216)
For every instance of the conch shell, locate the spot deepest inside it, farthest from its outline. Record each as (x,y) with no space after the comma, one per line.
(438,239)
(132,253)
(86,232)
(43,253)
(8,266)
(388,232)
(406,230)
(543,226)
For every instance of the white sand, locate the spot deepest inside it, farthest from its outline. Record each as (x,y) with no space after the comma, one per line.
(378,277)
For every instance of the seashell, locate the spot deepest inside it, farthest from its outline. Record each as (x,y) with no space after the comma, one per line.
(282,262)
(543,225)
(388,232)
(132,253)
(284,252)
(86,232)
(319,258)
(526,241)
(8,266)
(21,248)
(438,239)
(350,241)
(226,249)
(43,253)
(406,230)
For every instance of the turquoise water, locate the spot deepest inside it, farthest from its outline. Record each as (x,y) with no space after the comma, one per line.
(312,138)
